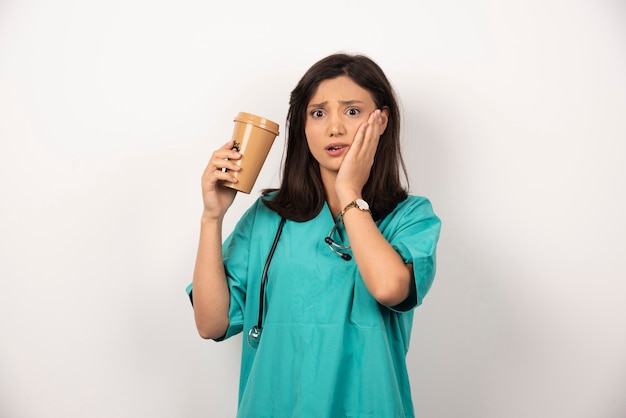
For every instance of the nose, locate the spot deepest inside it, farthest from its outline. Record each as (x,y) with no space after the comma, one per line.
(335,126)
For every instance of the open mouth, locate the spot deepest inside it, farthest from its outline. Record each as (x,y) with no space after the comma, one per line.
(336,150)
(335,147)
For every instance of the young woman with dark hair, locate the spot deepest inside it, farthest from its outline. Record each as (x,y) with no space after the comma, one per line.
(330,265)
(301,180)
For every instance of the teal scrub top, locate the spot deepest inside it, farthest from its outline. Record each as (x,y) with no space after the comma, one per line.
(328,348)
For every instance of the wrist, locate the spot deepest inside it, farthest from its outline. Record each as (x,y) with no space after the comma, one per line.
(359,205)
(208,219)
(348,196)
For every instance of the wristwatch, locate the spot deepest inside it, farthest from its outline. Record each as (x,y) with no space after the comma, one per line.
(360,204)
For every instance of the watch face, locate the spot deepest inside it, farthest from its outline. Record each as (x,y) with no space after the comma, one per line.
(362,204)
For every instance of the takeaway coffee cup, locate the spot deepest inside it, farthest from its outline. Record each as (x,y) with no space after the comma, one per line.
(253,136)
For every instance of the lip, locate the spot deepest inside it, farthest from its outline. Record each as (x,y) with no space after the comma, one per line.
(336,149)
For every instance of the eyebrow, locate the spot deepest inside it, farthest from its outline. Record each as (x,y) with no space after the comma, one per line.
(345,103)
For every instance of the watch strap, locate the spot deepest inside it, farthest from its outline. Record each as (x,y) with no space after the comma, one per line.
(354,204)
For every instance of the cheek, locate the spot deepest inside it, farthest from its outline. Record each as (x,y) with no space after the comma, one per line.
(353,127)
(312,134)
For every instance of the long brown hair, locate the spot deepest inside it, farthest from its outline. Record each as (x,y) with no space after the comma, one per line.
(301,195)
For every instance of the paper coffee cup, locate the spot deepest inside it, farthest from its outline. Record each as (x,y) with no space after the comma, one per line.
(253,136)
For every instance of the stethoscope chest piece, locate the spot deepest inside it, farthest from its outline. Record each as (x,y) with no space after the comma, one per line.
(254,335)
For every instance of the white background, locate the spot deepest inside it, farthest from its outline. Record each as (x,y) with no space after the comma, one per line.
(514,127)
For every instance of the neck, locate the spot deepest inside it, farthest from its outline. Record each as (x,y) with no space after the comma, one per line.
(328,179)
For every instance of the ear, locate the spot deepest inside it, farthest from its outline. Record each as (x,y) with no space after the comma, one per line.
(384,114)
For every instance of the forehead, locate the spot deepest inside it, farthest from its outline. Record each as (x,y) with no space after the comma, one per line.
(340,89)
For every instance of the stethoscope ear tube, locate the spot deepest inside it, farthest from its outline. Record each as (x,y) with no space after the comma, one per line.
(254,334)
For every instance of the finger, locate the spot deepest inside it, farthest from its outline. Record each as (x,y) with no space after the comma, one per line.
(366,139)
(374,125)
(220,167)
(229,145)
(217,167)
(359,137)
(224,153)
(218,162)
(212,177)
(227,151)
(376,122)
(225,176)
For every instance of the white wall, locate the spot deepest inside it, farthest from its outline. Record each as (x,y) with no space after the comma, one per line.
(514,127)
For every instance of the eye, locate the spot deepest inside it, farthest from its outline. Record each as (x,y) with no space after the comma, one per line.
(317,113)
(353,111)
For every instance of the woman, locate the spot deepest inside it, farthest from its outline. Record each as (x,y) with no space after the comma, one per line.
(354,256)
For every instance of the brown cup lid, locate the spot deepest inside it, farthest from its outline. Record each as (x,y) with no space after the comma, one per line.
(259,121)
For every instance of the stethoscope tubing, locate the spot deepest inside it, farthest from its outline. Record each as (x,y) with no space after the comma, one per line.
(255,331)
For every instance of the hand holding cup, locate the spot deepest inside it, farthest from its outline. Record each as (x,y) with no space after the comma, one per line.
(253,137)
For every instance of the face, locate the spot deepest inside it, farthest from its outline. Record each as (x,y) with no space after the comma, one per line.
(334,113)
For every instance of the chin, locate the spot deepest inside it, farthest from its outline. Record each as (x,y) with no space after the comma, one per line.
(330,168)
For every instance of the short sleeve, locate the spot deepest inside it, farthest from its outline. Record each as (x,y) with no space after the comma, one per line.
(236,250)
(413,231)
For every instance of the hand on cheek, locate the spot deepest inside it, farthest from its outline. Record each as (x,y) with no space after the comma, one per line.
(356,166)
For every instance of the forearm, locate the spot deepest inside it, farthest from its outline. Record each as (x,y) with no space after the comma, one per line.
(210,288)
(384,273)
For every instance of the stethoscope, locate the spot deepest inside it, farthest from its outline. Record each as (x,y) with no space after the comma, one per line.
(334,247)
(254,334)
